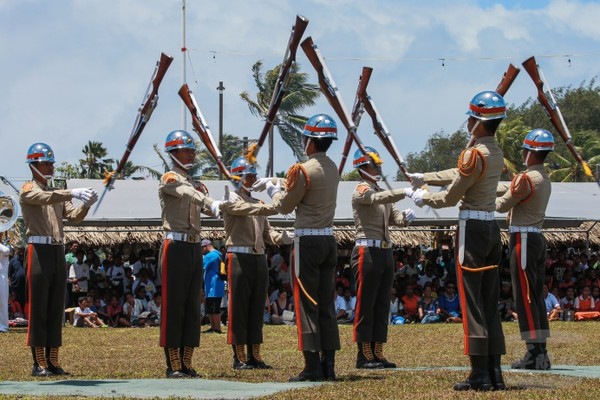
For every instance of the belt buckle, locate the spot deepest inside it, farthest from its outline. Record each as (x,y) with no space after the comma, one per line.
(385,244)
(192,238)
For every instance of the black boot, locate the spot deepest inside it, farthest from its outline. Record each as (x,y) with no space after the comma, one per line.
(52,360)
(186,353)
(174,368)
(40,364)
(494,364)
(328,364)
(534,358)
(379,357)
(312,368)
(365,358)
(479,378)
(239,357)
(255,359)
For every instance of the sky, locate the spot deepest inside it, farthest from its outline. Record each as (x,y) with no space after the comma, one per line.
(76,70)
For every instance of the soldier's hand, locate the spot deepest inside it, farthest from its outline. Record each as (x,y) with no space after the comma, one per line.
(261,184)
(418,197)
(215,208)
(408,192)
(287,237)
(417,179)
(92,199)
(273,188)
(83,194)
(409,215)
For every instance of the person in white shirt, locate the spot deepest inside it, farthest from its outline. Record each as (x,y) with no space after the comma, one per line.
(4,254)
(154,310)
(132,309)
(84,317)
(79,274)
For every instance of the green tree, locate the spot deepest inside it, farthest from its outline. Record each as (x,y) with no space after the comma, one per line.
(440,153)
(67,171)
(299,95)
(510,136)
(95,162)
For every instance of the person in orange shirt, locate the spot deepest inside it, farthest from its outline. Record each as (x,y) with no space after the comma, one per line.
(585,306)
(410,302)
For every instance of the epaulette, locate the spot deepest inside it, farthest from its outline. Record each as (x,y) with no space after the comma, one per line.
(467,162)
(27,187)
(362,188)
(522,186)
(169,177)
(292,176)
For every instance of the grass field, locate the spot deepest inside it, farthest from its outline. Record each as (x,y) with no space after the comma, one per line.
(134,353)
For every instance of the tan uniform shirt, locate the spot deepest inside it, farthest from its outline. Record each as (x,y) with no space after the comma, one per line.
(310,189)
(246,223)
(44,209)
(182,202)
(526,198)
(374,210)
(476,183)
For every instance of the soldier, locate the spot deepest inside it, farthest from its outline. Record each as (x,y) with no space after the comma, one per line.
(181,202)
(372,258)
(247,229)
(311,190)
(526,199)
(479,247)
(44,209)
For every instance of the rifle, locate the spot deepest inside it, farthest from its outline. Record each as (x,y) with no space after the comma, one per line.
(553,111)
(202,129)
(331,92)
(357,111)
(285,74)
(148,105)
(505,83)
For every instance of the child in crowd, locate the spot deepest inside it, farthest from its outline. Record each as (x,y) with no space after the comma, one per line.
(84,317)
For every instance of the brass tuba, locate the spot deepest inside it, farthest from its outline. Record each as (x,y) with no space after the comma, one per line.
(9,211)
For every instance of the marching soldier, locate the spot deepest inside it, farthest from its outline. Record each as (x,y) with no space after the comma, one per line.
(372,258)
(180,255)
(526,199)
(311,190)
(44,209)
(247,229)
(479,247)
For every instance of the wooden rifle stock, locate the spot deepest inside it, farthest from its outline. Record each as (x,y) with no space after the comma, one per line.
(285,73)
(553,112)
(202,129)
(357,111)
(149,103)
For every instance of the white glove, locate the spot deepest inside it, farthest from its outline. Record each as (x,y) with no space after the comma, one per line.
(291,215)
(418,197)
(287,237)
(409,215)
(408,192)
(83,194)
(273,188)
(215,207)
(417,179)
(261,184)
(92,200)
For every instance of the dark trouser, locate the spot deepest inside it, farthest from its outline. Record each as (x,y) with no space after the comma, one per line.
(373,270)
(478,284)
(315,281)
(46,289)
(182,271)
(527,286)
(248,280)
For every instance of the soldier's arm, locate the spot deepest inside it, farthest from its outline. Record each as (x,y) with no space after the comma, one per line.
(242,207)
(397,217)
(172,185)
(33,195)
(286,200)
(74,214)
(501,189)
(520,189)
(440,178)
(271,236)
(364,194)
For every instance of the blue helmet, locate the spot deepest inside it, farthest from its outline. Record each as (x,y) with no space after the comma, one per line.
(539,140)
(39,152)
(179,140)
(241,167)
(361,159)
(320,126)
(487,105)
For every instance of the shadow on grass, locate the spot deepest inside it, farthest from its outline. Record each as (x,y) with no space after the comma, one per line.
(356,378)
(83,383)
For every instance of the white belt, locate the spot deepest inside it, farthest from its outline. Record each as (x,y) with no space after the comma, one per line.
(183,237)
(240,249)
(313,232)
(514,229)
(43,240)
(383,244)
(474,214)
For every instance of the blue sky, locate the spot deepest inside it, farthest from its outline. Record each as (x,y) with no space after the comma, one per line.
(76,70)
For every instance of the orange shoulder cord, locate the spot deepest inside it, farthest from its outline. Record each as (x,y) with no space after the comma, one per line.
(468,167)
(292,176)
(521,185)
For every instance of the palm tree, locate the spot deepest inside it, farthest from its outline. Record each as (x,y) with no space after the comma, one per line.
(565,168)
(510,139)
(94,164)
(299,94)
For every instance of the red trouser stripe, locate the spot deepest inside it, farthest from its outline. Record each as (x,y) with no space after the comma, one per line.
(229,298)
(525,290)
(462,296)
(297,301)
(165,284)
(359,287)
(29,291)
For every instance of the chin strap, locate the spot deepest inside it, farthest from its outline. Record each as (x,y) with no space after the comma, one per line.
(307,143)
(184,166)
(46,177)
(374,178)
(474,127)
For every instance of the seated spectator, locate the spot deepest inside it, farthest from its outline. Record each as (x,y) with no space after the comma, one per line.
(449,304)
(396,306)
(154,310)
(583,263)
(428,307)
(281,304)
(98,306)
(132,310)
(585,307)
(568,280)
(506,303)
(345,306)
(128,280)
(568,302)
(429,275)
(552,305)
(143,280)
(410,302)
(98,275)
(84,317)
(140,295)
(410,268)
(14,308)
(115,313)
